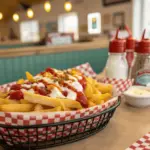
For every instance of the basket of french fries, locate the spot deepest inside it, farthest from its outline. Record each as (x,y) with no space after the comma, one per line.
(53,108)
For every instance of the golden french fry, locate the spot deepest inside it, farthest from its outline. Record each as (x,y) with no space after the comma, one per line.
(3,95)
(88,90)
(107,96)
(16,107)
(51,110)
(29,76)
(71,104)
(38,107)
(23,101)
(20,81)
(102,102)
(2,101)
(43,100)
(90,80)
(49,101)
(104,88)
(99,98)
(67,109)
(91,104)
(11,101)
(63,106)
(95,90)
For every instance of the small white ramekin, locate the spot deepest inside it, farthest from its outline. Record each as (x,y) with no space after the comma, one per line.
(137,100)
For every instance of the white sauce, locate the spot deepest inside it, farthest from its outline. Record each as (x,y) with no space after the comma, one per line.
(71,94)
(40,85)
(73,78)
(31,91)
(28,86)
(56,93)
(77,86)
(139,92)
(48,80)
(38,77)
(79,77)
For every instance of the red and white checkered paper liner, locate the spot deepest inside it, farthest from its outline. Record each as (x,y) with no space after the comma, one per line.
(21,119)
(119,84)
(141,144)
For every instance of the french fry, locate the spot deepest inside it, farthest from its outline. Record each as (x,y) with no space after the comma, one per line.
(10,101)
(91,104)
(29,76)
(3,95)
(90,80)
(23,101)
(71,104)
(38,107)
(104,88)
(2,101)
(43,100)
(53,102)
(88,90)
(100,98)
(16,107)
(107,96)
(63,106)
(20,81)
(51,110)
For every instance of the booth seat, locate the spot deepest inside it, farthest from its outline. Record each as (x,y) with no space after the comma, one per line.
(14,68)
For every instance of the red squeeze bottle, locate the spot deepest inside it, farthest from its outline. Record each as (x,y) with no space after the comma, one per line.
(130,48)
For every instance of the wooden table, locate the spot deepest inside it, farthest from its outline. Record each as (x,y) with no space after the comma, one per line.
(127,126)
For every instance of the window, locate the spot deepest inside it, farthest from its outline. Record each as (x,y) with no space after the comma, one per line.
(68,23)
(141,19)
(94,23)
(29,31)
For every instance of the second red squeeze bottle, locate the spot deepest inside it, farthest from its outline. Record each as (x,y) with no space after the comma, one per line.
(130,48)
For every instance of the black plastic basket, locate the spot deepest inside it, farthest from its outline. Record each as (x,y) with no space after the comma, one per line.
(62,133)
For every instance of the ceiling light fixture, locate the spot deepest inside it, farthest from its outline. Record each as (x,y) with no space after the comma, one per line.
(1,16)
(16,17)
(68,6)
(47,6)
(30,13)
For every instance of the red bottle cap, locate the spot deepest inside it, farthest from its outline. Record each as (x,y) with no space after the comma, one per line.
(136,45)
(130,41)
(117,45)
(144,45)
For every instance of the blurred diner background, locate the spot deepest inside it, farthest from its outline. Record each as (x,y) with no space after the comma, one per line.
(35,34)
